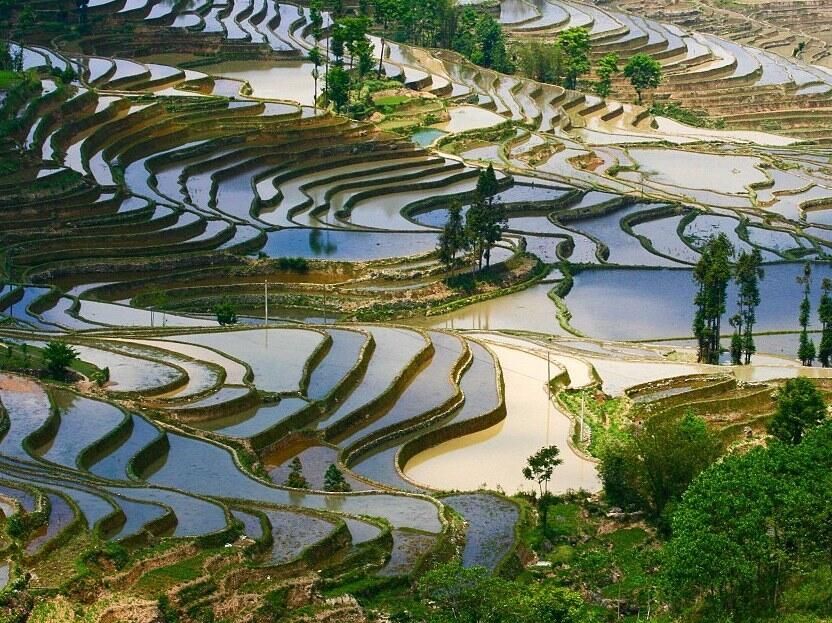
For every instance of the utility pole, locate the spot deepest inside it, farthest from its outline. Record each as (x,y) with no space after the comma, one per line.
(266,301)
(549,372)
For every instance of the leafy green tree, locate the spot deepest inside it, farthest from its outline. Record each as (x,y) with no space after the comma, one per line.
(541,465)
(606,69)
(452,240)
(296,479)
(644,72)
(800,406)
(825,317)
(650,467)
(334,480)
(711,274)
(806,347)
(338,87)
(59,356)
(226,312)
(575,45)
(364,52)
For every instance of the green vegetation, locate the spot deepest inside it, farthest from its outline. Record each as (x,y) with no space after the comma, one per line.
(800,407)
(649,467)
(575,45)
(59,356)
(607,68)
(806,350)
(712,273)
(695,118)
(296,479)
(825,317)
(750,530)
(479,38)
(334,480)
(644,72)
(485,221)
(460,595)
(747,275)
(452,240)
(226,313)
(541,465)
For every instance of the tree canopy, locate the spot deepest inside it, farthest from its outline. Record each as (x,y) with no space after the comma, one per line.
(644,72)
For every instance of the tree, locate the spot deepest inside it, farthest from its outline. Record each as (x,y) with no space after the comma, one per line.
(711,273)
(800,406)
(747,526)
(480,39)
(644,72)
(296,479)
(485,220)
(651,467)
(452,240)
(806,348)
(747,274)
(225,312)
(540,60)
(607,68)
(334,480)
(364,52)
(825,317)
(59,356)
(338,87)
(541,465)
(736,339)
(317,59)
(575,45)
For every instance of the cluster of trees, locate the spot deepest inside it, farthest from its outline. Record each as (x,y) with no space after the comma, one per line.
(10,61)
(565,60)
(806,350)
(480,39)
(430,23)
(752,522)
(348,39)
(334,480)
(480,229)
(714,270)
(473,595)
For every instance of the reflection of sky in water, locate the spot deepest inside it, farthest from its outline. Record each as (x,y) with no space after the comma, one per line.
(346,245)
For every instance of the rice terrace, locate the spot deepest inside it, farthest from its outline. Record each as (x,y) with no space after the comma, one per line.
(415,311)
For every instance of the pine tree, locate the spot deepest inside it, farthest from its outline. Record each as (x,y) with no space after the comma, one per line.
(452,240)
(747,275)
(334,480)
(825,315)
(711,273)
(296,479)
(806,349)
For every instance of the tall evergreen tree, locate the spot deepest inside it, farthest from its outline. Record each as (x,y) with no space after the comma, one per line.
(825,316)
(806,348)
(452,240)
(486,220)
(712,274)
(747,275)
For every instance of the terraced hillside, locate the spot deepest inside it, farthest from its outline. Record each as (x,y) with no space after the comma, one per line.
(735,74)
(171,160)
